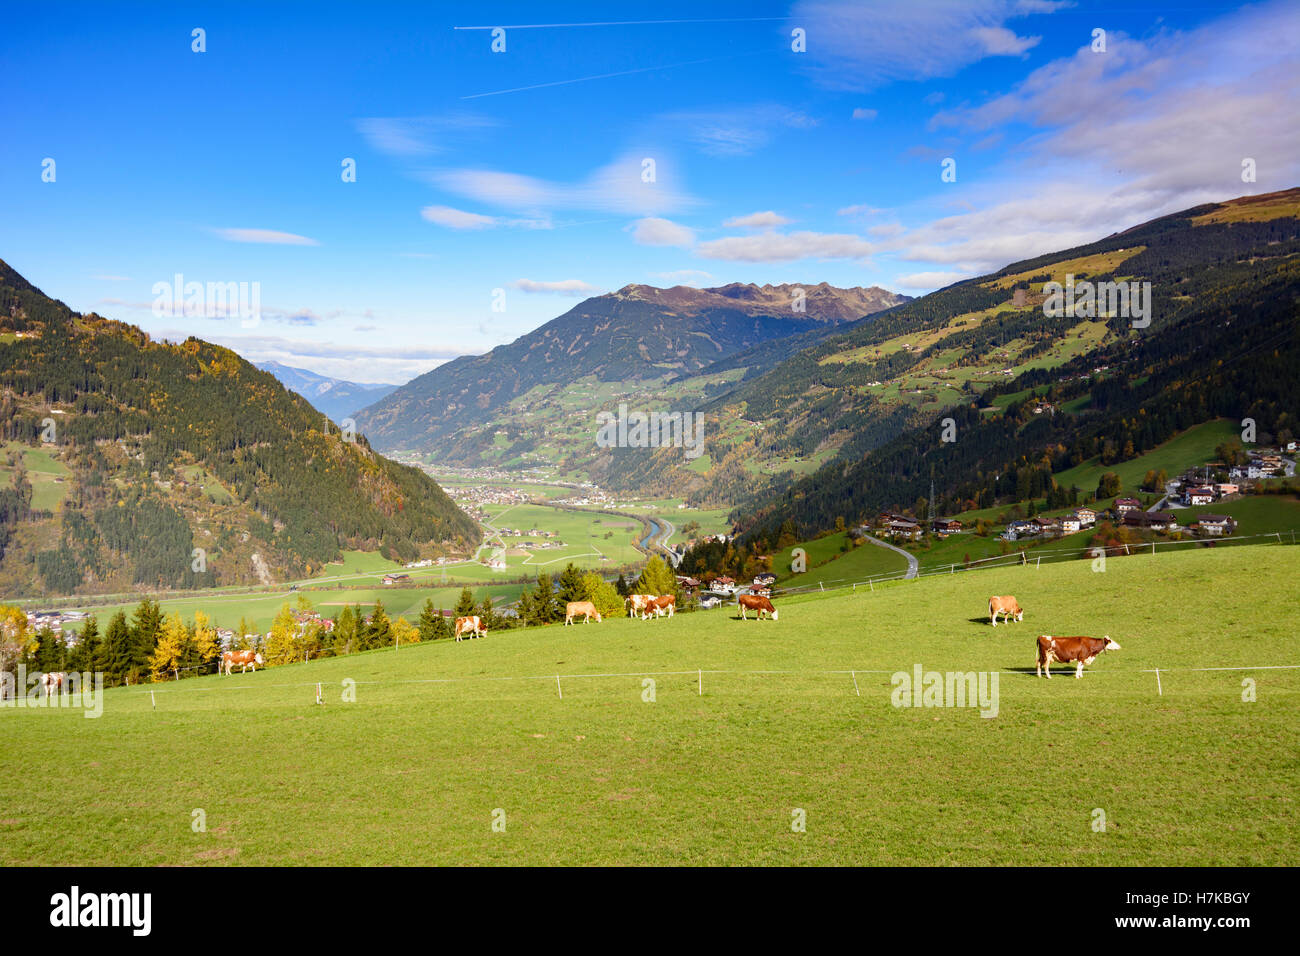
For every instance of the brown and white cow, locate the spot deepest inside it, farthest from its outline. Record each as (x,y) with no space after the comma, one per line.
(53,683)
(756,602)
(659,606)
(638,602)
(472,625)
(245,659)
(1066,650)
(573,608)
(1004,604)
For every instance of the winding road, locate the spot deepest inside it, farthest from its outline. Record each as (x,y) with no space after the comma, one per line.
(913,566)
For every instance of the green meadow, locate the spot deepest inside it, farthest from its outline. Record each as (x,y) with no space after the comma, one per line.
(746,725)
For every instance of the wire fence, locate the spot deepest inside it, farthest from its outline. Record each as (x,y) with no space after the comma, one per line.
(1107,673)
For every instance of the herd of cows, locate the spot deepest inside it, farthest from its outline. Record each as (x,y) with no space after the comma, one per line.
(1060,650)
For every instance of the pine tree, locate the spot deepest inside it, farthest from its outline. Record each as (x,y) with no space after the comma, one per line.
(427,624)
(145,628)
(621,586)
(380,631)
(656,578)
(87,652)
(572,586)
(116,655)
(465,606)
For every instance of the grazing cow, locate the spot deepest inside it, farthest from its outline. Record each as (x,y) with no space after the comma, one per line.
(53,683)
(245,659)
(573,608)
(1004,604)
(756,602)
(472,625)
(638,602)
(659,606)
(1065,650)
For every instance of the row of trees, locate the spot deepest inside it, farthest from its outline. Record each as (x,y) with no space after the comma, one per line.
(152,646)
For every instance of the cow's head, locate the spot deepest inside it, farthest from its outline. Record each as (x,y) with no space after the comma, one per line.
(1020,613)
(597,617)
(260,659)
(775,615)
(1111,645)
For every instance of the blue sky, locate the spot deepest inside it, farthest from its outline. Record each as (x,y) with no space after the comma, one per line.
(522,170)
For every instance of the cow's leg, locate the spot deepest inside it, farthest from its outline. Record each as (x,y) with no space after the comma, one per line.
(1078,671)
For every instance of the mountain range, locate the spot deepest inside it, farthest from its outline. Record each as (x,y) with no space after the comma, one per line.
(336,397)
(535,401)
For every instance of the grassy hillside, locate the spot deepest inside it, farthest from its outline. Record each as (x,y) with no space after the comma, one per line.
(441,736)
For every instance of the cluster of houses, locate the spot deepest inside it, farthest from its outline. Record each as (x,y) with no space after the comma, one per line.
(721,588)
(54,620)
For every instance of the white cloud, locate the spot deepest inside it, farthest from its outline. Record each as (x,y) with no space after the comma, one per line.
(999,41)
(1116,139)
(265,236)
(661,232)
(859,210)
(862,113)
(574,287)
(786,247)
(757,220)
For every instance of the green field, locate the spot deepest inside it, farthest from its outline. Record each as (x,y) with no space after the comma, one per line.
(440,738)
(1192,447)
(828,566)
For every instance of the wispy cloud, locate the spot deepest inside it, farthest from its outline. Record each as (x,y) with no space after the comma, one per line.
(460,219)
(621,186)
(269,236)
(786,247)
(737,131)
(572,287)
(661,232)
(862,46)
(418,136)
(757,220)
(863,113)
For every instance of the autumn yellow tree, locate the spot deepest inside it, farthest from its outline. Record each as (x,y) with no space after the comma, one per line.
(15,638)
(405,632)
(170,650)
(281,643)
